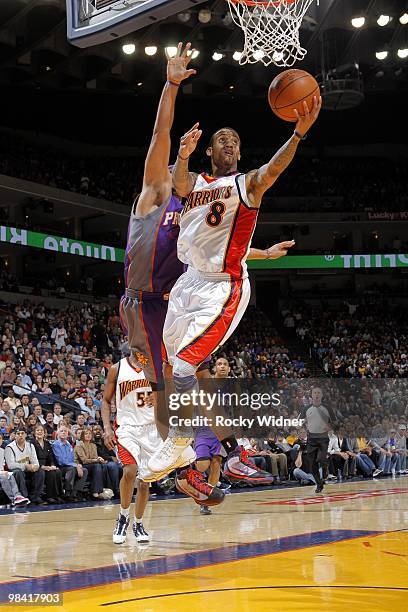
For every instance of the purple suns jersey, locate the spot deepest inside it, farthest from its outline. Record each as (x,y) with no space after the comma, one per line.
(151,262)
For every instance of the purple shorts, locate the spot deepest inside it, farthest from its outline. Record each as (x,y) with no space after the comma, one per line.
(206,444)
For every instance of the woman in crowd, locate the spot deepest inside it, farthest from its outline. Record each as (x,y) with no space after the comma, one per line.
(53,479)
(31,424)
(85,453)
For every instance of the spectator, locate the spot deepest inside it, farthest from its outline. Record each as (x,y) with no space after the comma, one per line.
(59,335)
(113,467)
(8,481)
(57,413)
(21,455)
(86,454)
(12,400)
(53,478)
(49,427)
(73,474)
(31,424)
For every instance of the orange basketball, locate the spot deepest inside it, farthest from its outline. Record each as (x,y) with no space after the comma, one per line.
(288,90)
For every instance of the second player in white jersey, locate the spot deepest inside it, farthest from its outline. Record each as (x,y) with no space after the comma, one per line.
(132,391)
(217,225)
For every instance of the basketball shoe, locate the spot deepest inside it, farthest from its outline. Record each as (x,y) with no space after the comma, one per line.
(186,458)
(170,456)
(239,468)
(119,533)
(192,483)
(140,532)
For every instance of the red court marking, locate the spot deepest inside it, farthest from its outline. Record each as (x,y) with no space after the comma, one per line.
(368,544)
(335,497)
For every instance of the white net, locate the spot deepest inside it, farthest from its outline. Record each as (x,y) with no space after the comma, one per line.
(271,30)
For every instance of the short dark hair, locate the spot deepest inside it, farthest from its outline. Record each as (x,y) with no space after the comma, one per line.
(210,144)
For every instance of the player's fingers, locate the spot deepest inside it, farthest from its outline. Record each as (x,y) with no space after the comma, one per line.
(191,72)
(195,126)
(179,50)
(296,113)
(185,54)
(197,135)
(305,108)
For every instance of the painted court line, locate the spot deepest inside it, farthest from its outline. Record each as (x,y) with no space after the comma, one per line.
(91,577)
(335,497)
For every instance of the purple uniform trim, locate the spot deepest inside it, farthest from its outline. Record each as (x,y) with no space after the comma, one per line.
(206,443)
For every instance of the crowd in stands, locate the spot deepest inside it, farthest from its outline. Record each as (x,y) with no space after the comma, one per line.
(372,184)
(53,366)
(358,340)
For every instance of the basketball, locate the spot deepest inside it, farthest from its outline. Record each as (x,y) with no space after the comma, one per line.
(288,90)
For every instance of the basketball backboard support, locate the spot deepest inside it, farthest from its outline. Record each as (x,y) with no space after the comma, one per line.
(92,22)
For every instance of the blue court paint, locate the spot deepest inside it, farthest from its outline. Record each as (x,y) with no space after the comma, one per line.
(71,581)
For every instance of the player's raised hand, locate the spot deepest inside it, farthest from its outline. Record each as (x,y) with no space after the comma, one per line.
(280,249)
(177,66)
(305,121)
(189,141)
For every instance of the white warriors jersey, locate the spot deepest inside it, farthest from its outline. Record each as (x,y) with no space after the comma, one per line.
(131,390)
(216,226)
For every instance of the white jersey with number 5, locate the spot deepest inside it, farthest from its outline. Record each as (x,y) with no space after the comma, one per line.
(216,226)
(132,389)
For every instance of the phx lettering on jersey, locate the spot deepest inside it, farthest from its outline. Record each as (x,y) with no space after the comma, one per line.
(172,217)
(127,386)
(205,196)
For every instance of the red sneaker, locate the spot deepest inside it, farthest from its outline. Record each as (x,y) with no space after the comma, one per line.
(192,483)
(239,468)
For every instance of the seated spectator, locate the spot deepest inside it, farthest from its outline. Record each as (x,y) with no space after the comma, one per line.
(86,454)
(7,379)
(73,474)
(20,456)
(31,424)
(302,471)
(53,477)
(12,400)
(6,411)
(279,462)
(113,466)
(401,449)
(38,411)
(49,427)
(339,458)
(79,424)
(4,430)
(89,407)
(8,482)
(57,413)
(25,404)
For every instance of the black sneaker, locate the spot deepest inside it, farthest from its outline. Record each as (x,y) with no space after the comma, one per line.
(141,534)
(119,533)
(205,510)
(319,488)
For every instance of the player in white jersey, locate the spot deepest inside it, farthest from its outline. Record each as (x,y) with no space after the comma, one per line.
(136,437)
(216,228)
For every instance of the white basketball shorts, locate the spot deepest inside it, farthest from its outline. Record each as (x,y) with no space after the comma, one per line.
(136,444)
(203,312)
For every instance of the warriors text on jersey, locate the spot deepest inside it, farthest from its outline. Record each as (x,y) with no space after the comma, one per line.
(151,262)
(217,225)
(132,389)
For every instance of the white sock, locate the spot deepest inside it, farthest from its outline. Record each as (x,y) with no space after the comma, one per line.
(124,511)
(138,520)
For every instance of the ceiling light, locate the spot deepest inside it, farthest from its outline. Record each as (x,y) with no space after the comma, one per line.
(231,87)
(404,19)
(204,16)
(140,84)
(129,48)
(402,53)
(381,55)
(258,54)
(184,17)
(217,56)
(383,20)
(358,22)
(171,51)
(150,50)
(237,55)
(379,74)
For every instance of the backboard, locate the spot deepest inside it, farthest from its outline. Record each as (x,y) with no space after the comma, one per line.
(91,22)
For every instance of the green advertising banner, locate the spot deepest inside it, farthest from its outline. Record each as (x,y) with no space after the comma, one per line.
(58,244)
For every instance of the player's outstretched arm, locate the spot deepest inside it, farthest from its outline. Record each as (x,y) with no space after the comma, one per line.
(110,388)
(183,180)
(273,252)
(258,181)
(157,179)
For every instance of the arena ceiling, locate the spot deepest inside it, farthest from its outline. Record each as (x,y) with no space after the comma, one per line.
(34,51)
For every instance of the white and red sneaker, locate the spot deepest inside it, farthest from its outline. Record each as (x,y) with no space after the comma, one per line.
(19,500)
(192,483)
(187,457)
(239,468)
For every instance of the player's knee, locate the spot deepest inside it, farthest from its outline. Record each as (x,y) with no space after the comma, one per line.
(184,376)
(130,471)
(202,465)
(142,486)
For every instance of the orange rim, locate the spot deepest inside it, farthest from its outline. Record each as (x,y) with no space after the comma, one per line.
(263,3)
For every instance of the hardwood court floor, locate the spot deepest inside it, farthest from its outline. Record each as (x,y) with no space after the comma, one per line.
(264,550)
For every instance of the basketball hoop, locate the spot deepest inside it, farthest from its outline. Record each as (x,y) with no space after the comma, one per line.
(271,30)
